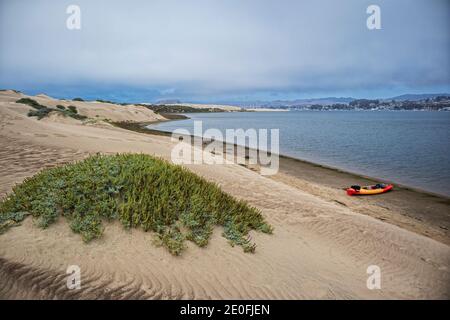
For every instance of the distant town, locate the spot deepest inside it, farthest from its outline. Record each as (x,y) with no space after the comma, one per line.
(413,102)
(438,103)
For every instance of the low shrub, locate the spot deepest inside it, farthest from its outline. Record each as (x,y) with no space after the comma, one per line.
(41,113)
(31,103)
(106,101)
(141,192)
(40,110)
(76,116)
(73,109)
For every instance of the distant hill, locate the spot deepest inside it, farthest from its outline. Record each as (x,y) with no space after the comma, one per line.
(430,102)
(307,102)
(328,101)
(168,101)
(417,97)
(300,103)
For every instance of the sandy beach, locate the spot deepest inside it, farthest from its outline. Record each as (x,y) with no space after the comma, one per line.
(322,244)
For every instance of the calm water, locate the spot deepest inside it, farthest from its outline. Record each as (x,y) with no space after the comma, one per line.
(412,148)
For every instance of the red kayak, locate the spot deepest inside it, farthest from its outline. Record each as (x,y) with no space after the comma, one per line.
(369,190)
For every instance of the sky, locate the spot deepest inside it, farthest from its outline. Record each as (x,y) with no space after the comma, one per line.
(224,50)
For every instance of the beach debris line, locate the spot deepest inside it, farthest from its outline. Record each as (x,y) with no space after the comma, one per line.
(140,191)
(369,190)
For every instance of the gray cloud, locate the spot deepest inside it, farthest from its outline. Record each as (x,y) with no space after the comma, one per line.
(227,48)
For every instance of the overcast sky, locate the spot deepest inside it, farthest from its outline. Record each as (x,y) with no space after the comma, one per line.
(225,50)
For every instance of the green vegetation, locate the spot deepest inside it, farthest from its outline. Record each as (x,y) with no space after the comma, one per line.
(106,101)
(31,103)
(72,109)
(140,127)
(40,110)
(173,116)
(77,99)
(40,113)
(162,108)
(72,112)
(141,192)
(43,111)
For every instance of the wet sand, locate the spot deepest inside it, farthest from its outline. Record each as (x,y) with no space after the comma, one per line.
(416,210)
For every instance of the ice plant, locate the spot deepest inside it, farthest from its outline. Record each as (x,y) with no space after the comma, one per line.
(141,192)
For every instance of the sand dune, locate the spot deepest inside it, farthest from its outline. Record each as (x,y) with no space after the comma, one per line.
(319,249)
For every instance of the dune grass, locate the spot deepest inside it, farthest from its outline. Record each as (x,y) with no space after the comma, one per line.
(42,111)
(141,192)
